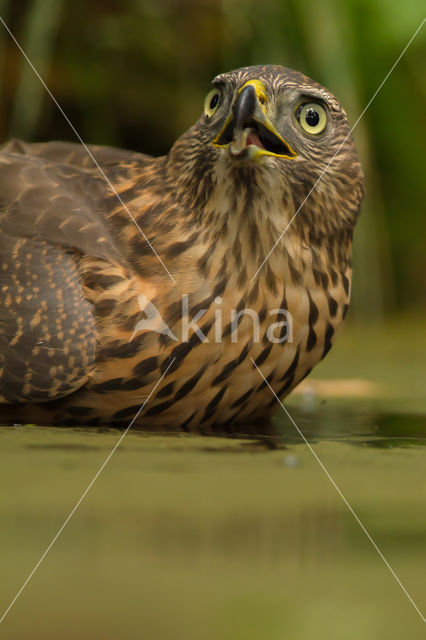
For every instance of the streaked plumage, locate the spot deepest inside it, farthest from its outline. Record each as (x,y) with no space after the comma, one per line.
(73,264)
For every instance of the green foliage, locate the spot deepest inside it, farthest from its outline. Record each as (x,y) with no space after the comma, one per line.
(133,73)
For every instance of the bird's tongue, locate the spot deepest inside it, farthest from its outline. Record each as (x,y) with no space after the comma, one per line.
(253,138)
(242,140)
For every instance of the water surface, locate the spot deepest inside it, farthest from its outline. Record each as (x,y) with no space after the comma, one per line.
(194,537)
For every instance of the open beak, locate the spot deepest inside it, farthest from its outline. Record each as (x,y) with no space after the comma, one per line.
(247,133)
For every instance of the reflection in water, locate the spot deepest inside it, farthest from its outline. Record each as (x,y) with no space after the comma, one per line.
(188,533)
(346,424)
(359,427)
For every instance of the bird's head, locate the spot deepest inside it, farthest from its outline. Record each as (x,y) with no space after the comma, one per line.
(276,129)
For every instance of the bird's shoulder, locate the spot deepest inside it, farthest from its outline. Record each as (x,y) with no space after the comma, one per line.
(75,154)
(54,191)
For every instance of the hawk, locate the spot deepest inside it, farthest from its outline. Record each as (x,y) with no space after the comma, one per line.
(167,278)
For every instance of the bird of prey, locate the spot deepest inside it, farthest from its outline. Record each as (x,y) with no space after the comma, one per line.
(159,282)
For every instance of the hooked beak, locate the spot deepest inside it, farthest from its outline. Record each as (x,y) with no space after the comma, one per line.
(247,133)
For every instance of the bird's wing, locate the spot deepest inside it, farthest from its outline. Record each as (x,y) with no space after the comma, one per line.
(51,214)
(75,154)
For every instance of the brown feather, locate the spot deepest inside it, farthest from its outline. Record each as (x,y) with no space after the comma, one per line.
(73,265)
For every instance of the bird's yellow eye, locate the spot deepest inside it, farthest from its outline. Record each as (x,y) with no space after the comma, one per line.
(312,117)
(212,102)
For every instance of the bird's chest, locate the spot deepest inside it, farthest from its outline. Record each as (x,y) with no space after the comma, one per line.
(205,347)
(284,333)
(282,330)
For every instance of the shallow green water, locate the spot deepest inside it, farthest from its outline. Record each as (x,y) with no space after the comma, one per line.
(190,537)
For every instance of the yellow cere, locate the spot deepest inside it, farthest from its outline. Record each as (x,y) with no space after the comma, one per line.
(260,91)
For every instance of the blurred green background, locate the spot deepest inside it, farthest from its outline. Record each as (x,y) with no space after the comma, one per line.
(133,73)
